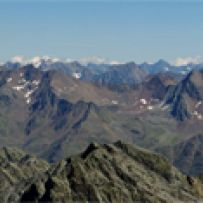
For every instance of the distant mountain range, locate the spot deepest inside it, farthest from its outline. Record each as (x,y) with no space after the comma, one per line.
(55,109)
(47,63)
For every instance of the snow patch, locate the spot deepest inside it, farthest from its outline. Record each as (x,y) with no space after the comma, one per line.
(28,100)
(37,61)
(95,60)
(198,104)
(9,80)
(166,68)
(165,107)
(114,102)
(35,82)
(183,72)
(18,88)
(198,115)
(150,107)
(187,60)
(27,88)
(76,75)
(18,59)
(143,101)
(28,93)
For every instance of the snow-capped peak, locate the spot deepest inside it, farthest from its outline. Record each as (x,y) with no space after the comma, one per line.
(183,61)
(36,61)
(18,59)
(93,60)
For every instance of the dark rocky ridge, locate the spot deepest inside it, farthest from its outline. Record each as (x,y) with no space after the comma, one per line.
(125,74)
(103,173)
(182,96)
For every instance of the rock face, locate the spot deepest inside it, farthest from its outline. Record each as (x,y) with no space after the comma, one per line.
(124,74)
(17,170)
(186,155)
(156,86)
(102,173)
(185,96)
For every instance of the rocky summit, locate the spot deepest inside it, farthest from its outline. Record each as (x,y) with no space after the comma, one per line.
(116,172)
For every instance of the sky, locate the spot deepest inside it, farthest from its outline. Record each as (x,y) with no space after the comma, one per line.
(113,29)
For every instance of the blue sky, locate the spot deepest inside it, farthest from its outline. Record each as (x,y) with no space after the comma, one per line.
(120,30)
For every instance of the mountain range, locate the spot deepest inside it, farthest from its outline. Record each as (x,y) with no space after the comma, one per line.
(103,72)
(55,109)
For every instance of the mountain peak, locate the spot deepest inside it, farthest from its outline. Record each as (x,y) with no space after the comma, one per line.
(162,62)
(184,97)
(119,167)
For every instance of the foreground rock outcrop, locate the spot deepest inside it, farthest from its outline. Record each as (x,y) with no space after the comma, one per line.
(102,173)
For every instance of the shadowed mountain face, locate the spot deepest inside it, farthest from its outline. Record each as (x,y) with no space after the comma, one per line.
(163,66)
(186,155)
(124,74)
(185,98)
(157,85)
(102,173)
(158,67)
